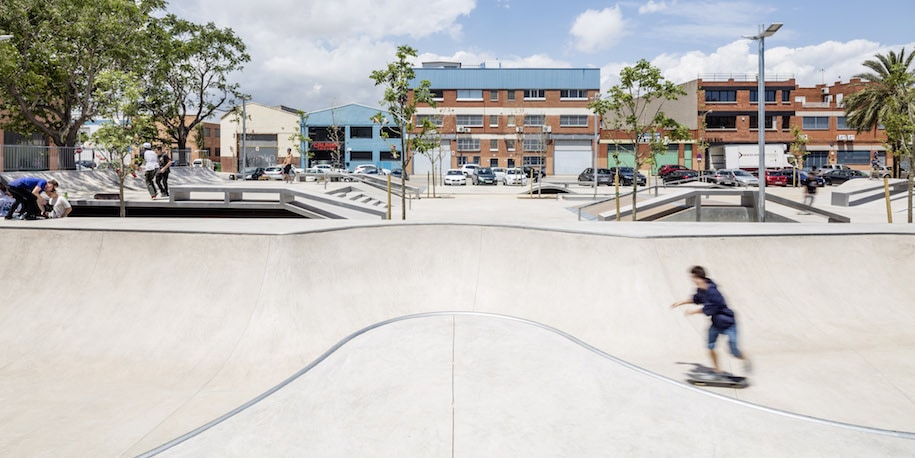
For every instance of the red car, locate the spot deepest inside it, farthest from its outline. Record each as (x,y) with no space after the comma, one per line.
(775,179)
(668,168)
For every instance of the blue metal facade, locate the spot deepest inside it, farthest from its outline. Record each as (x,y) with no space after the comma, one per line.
(509,78)
(353,116)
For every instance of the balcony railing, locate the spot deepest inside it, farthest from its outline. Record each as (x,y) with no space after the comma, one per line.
(744,77)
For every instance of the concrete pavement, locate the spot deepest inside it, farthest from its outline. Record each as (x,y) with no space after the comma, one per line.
(117,336)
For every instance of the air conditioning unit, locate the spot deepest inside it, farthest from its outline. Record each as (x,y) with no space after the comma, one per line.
(804,137)
(850,138)
(841,138)
(824,90)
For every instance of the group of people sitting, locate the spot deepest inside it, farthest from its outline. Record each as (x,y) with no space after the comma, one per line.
(33,198)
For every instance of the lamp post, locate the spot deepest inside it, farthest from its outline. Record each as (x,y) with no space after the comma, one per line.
(761,121)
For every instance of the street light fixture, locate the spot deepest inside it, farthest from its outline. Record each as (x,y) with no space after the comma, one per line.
(761,121)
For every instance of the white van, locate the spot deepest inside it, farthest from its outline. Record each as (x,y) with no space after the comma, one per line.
(469,168)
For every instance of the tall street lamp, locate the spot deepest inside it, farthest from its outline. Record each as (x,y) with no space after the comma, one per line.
(761,121)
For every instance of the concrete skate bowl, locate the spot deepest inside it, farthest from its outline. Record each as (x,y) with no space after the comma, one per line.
(145,336)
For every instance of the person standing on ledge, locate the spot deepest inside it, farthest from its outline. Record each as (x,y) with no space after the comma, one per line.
(714,306)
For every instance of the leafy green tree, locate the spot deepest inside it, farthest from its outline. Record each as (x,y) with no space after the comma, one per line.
(50,69)
(187,74)
(635,108)
(396,79)
(119,92)
(887,98)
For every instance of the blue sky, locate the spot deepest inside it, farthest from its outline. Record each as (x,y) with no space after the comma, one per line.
(312,54)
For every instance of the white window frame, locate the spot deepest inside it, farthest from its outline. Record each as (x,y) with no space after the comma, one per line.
(493,120)
(475,95)
(564,120)
(582,94)
(494,145)
(468,120)
(535,94)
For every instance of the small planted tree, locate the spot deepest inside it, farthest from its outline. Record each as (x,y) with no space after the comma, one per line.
(396,79)
(127,126)
(635,108)
(798,150)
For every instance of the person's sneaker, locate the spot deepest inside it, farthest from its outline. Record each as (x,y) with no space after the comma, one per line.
(747,366)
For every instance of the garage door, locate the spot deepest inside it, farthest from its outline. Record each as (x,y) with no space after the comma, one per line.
(570,157)
(423,166)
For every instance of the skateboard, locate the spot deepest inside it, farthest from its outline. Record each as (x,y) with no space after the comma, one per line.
(716,380)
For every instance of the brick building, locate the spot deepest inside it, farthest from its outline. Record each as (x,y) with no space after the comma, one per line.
(511,117)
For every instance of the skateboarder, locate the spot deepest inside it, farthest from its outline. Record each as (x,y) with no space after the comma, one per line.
(723,321)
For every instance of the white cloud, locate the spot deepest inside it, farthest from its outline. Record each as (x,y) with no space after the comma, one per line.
(652,7)
(596,30)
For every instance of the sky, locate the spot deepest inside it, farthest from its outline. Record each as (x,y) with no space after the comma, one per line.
(311,55)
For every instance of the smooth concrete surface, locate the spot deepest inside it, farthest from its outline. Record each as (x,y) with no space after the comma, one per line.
(119,335)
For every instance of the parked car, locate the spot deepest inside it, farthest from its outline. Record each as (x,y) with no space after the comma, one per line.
(455,177)
(396,173)
(253,173)
(514,176)
(838,176)
(735,177)
(483,175)
(274,172)
(312,174)
(604,176)
(884,172)
(773,178)
(627,175)
(680,176)
(467,169)
(536,172)
(85,165)
(799,179)
(827,167)
(499,172)
(666,169)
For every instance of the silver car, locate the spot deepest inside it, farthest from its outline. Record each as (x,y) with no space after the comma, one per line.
(736,177)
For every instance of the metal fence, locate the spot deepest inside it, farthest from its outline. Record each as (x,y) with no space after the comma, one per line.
(27,158)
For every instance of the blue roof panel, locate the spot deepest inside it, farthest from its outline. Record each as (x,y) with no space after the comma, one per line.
(509,78)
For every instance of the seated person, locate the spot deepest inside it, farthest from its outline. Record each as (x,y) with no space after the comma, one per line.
(58,206)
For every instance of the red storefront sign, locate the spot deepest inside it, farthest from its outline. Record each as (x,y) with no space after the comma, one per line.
(324,146)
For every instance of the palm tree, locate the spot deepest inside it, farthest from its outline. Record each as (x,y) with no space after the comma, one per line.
(887,99)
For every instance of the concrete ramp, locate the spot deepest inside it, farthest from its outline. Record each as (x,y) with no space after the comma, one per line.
(115,341)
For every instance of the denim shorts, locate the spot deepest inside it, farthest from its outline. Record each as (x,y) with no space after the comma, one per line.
(731,332)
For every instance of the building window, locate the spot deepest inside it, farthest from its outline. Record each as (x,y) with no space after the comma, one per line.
(511,120)
(390,132)
(494,145)
(534,161)
(840,123)
(721,122)
(493,162)
(493,120)
(206,131)
(573,120)
(360,132)
(534,143)
(534,94)
(534,120)
(469,120)
(769,122)
(360,155)
(511,95)
(468,144)
(493,95)
(436,120)
(387,155)
(573,94)
(470,94)
(815,123)
(853,157)
(770,95)
(786,96)
(217,133)
(510,144)
(720,95)
(437,94)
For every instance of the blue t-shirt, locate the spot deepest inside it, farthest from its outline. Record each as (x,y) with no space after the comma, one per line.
(714,306)
(28,182)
